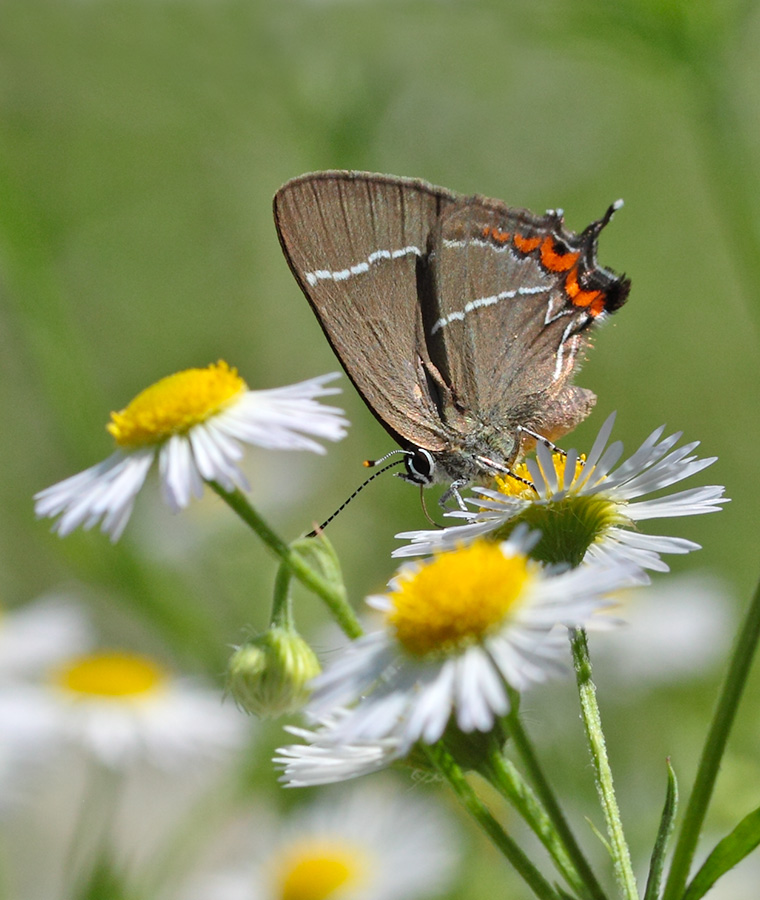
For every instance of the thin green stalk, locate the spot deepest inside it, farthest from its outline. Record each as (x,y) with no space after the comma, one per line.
(712,753)
(503,775)
(446,765)
(340,609)
(621,855)
(282,605)
(525,749)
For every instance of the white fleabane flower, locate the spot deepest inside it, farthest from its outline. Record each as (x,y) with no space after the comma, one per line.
(121,708)
(458,629)
(587,510)
(374,842)
(195,422)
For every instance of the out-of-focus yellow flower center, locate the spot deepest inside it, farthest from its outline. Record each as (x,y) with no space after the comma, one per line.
(458,598)
(175,404)
(119,675)
(318,869)
(512,487)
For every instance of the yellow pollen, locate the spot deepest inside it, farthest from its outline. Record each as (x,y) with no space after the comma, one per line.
(117,674)
(514,488)
(457,599)
(319,869)
(175,404)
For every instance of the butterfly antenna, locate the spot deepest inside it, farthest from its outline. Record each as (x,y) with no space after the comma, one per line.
(369,463)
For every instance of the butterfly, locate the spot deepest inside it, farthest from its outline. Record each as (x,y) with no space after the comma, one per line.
(459,319)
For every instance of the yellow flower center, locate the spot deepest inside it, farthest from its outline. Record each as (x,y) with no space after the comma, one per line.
(568,526)
(175,404)
(514,488)
(117,674)
(458,598)
(318,869)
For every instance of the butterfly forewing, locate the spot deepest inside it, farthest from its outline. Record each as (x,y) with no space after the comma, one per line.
(355,242)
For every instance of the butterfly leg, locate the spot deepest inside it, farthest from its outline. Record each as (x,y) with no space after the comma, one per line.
(545,441)
(453,491)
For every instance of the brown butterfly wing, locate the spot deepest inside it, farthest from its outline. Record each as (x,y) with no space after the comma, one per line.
(356,243)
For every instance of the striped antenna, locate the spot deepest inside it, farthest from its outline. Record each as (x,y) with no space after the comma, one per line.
(369,463)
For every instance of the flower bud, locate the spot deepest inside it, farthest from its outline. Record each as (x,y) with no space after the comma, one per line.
(268,675)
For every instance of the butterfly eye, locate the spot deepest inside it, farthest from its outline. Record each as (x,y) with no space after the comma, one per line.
(420,466)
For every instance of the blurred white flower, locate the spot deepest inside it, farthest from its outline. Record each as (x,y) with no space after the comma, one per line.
(120,708)
(675,629)
(375,842)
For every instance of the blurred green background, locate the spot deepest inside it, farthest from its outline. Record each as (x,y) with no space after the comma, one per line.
(141,142)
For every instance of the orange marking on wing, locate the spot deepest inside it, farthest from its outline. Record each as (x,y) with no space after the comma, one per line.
(526,245)
(556,262)
(582,298)
(496,234)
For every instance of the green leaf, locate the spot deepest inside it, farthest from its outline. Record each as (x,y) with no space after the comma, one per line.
(667,822)
(727,853)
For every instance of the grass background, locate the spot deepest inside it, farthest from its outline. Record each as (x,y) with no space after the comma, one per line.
(141,142)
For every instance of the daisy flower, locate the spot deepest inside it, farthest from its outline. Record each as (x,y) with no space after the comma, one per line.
(109,757)
(371,843)
(588,509)
(121,708)
(194,422)
(457,630)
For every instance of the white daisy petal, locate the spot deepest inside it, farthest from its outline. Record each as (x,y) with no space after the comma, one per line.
(104,491)
(600,442)
(180,478)
(429,716)
(693,502)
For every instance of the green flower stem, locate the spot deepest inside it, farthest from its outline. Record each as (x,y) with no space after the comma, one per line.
(337,604)
(543,789)
(445,764)
(502,774)
(282,604)
(712,753)
(621,855)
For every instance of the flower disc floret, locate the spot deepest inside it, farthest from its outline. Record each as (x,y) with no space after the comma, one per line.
(457,599)
(176,404)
